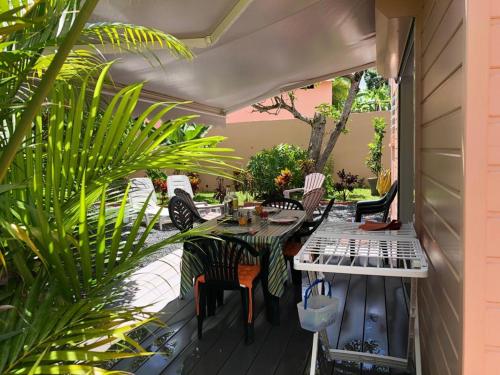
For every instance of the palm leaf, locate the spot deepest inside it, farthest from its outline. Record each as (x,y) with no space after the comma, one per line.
(131,37)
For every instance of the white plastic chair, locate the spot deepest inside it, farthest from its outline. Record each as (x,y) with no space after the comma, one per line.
(140,189)
(179,181)
(312,181)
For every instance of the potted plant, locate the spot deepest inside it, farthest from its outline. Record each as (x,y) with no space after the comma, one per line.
(374,159)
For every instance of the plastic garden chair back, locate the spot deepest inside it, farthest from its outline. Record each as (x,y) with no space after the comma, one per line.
(140,189)
(221,258)
(181,214)
(283,203)
(313,181)
(184,195)
(311,201)
(178,181)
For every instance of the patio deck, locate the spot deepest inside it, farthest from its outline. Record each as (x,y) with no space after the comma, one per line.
(374,318)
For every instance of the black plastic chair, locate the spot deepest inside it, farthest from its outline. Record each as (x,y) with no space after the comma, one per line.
(184,195)
(380,205)
(309,227)
(222,270)
(182,215)
(293,245)
(283,203)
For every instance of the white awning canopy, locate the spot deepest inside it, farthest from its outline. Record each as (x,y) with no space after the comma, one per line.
(245,50)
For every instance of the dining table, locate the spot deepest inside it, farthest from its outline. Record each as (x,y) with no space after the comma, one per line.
(268,237)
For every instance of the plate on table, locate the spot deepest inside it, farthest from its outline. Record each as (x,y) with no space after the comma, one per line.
(283,220)
(237,230)
(271,210)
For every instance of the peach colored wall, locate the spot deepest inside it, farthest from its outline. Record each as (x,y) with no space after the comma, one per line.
(439,51)
(306,101)
(250,137)
(482,189)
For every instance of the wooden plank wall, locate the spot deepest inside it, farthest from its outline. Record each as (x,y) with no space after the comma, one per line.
(440,37)
(492,344)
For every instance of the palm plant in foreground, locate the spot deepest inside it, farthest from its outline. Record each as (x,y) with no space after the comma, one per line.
(64,148)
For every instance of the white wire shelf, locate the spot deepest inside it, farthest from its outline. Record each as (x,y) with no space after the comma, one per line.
(336,229)
(364,255)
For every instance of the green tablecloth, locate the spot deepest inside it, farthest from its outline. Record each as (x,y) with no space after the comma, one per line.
(270,237)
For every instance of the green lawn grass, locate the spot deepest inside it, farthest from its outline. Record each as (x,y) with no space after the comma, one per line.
(205,197)
(360,194)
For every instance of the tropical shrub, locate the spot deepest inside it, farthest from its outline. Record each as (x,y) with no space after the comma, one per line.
(161,187)
(266,165)
(243,180)
(220,190)
(64,150)
(194,180)
(283,179)
(374,159)
(347,182)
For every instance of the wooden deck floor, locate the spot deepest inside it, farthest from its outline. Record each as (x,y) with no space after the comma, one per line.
(374,318)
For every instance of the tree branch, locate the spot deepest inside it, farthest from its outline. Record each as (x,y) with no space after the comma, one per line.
(278,103)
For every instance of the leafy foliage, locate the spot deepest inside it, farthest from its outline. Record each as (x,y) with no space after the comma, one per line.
(194,180)
(243,181)
(64,243)
(376,96)
(378,99)
(373,80)
(220,190)
(267,164)
(340,91)
(186,132)
(374,159)
(346,183)
(283,179)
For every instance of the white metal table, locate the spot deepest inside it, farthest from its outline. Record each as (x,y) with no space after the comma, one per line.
(344,248)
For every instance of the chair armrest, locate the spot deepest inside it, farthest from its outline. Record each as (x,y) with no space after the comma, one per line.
(378,202)
(286,193)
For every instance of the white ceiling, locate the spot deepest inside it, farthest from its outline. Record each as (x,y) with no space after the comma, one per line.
(272,45)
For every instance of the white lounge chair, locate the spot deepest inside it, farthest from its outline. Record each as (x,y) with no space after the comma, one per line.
(140,189)
(179,181)
(312,181)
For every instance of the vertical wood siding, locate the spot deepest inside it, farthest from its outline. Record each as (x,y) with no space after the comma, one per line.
(492,182)
(441,176)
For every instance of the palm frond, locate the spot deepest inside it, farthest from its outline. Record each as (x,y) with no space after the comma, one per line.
(44,335)
(131,37)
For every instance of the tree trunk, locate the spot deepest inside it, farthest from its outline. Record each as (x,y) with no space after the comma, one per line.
(341,124)
(318,127)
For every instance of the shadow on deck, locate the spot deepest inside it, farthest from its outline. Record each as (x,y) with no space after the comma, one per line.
(374,318)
